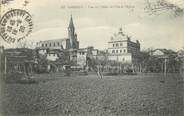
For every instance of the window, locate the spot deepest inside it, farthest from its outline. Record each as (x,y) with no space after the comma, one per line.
(113,45)
(50,44)
(120,51)
(121,44)
(117,45)
(124,50)
(54,44)
(113,51)
(45,45)
(58,43)
(82,53)
(116,51)
(42,45)
(53,54)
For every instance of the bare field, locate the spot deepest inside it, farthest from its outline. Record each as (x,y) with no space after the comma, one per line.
(57,95)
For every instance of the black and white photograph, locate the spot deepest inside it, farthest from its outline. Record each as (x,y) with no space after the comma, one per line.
(91,58)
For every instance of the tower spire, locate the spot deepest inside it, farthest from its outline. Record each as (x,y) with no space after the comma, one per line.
(71,25)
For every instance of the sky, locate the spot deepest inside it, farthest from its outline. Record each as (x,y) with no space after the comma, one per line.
(97,20)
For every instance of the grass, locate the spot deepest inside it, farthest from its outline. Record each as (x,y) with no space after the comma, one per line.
(57,95)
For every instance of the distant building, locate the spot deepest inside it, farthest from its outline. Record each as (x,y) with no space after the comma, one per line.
(70,42)
(92,52)
(123,50)
(80,56)
(163,53)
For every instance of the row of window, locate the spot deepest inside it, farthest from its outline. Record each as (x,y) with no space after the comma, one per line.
(118,51)
(117,44)
(50,44)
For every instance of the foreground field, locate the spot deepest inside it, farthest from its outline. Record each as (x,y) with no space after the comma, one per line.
(57,95)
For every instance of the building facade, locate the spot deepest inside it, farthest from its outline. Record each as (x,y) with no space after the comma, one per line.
(70,42)
(123,50)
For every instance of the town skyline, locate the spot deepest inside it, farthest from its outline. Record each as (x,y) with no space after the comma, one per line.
(95,27)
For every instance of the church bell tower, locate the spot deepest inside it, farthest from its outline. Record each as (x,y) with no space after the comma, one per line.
(72,35)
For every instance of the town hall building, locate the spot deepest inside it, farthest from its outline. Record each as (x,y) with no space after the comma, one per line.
(122,49)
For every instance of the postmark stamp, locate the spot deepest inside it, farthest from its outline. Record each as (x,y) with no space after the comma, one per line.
(15,25)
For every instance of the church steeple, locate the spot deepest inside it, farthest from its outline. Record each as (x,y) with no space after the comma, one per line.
(71,29)
(72,35)
(71,25)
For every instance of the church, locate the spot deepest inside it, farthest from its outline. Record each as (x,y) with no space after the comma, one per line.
(70,42)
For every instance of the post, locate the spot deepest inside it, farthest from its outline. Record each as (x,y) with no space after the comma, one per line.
(165,66)
(140,68)
(5,66)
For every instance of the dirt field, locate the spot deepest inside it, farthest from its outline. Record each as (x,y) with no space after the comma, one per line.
(57,95)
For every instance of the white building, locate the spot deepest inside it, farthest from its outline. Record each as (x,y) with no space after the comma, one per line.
(123,50)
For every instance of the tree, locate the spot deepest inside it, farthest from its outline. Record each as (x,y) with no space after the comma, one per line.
(145,59)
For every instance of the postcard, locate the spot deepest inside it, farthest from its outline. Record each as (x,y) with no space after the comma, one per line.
(91,57)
